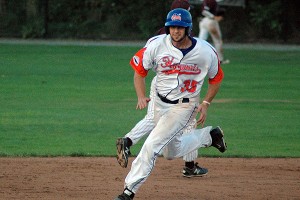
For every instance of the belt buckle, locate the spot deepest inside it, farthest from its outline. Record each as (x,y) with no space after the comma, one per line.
(180,100)
(183,100)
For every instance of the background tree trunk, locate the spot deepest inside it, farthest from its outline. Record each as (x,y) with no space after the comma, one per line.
(31,9)
(2,7)
(46,16)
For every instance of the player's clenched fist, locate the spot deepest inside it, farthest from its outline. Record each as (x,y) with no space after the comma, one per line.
(139,84)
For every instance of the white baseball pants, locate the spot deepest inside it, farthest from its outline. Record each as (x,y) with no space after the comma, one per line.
(167,138)
(147,124)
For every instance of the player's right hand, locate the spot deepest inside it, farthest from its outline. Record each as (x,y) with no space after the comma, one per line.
(142,102)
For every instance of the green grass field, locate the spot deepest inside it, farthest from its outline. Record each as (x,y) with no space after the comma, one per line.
(59,100)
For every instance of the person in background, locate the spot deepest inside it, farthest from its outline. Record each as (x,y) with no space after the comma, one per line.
(209,25)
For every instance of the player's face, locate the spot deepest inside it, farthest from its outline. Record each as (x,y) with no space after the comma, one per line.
(177,33)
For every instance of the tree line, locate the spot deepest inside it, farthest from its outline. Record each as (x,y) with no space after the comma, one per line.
(269,20)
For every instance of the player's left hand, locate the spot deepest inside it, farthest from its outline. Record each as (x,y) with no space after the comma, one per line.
(202,109)
(142,102)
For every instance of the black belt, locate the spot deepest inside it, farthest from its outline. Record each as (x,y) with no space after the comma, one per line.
(164,99)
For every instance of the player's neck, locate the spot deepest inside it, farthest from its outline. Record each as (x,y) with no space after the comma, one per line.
(182,44)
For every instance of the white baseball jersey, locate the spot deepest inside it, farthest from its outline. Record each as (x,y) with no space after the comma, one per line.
(180,76)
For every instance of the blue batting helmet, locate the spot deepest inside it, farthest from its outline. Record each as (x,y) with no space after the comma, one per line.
(179,17)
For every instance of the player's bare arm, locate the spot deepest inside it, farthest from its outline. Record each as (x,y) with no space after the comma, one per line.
(202,108)
(140,88)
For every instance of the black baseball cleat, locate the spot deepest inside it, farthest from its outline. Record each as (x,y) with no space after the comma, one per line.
(195,172)
(123,196)
(123,151)
(218,141)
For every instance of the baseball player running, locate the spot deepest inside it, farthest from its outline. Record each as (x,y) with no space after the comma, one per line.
(209,25)
(181,64)
(145,126)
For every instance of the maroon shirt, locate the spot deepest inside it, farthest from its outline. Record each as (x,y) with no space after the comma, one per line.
(211,6)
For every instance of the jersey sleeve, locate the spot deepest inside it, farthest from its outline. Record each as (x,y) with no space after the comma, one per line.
(136,63)
(215,73)
(142,62)
(218,77)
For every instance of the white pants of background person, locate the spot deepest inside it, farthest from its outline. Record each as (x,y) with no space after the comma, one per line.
(147,124)
(211,27)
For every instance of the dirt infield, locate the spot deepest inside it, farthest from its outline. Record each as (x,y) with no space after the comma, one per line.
(102,178)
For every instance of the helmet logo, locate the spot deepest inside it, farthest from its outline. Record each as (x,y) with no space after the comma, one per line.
(176,17)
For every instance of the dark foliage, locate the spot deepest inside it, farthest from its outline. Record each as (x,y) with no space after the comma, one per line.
(269,20)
